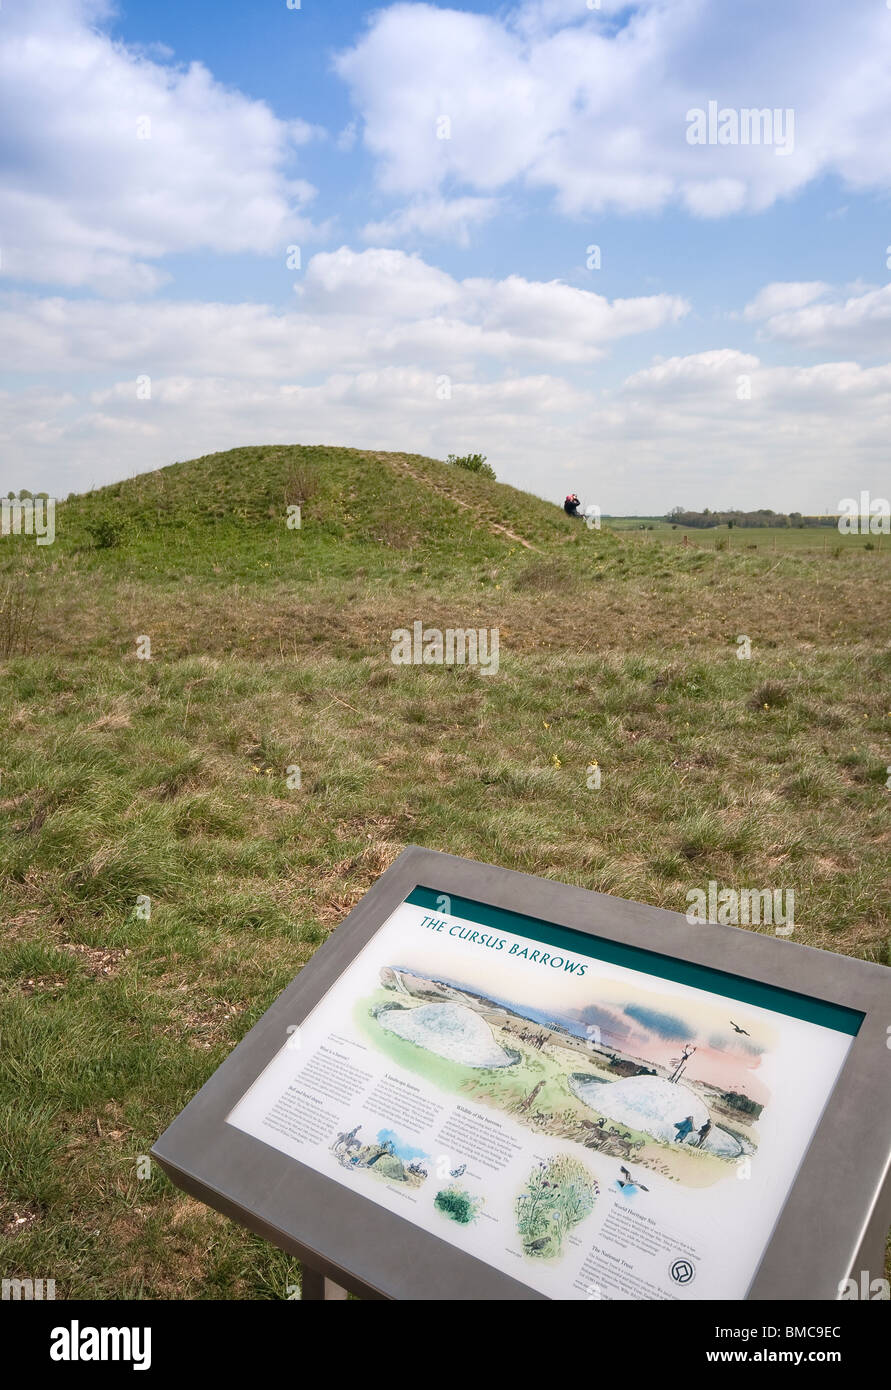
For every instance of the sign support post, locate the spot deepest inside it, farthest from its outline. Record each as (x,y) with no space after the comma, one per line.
(314,1287)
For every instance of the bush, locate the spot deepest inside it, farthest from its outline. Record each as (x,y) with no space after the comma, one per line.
(474,463)
(302,485)
(454,1203)
(106,532)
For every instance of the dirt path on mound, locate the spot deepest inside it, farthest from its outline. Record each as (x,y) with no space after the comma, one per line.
(485,519)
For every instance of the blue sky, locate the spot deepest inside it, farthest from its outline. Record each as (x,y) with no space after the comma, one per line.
(732,348)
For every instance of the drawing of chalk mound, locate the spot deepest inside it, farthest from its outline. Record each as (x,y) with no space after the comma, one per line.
(450,1030)
(654,1105)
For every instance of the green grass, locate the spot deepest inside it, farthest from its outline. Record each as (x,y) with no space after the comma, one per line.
(773,540)
(123,779)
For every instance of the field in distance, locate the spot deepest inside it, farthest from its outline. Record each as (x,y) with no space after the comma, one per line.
(823,539)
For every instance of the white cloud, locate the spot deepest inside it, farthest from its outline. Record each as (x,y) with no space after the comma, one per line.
(444,219)
(714,197)
(355,309)
(701,373)
(859,323)
(776,298)
(86,201)
(376,281)
(592,104)
(549,319)
(553,311)
(802,439)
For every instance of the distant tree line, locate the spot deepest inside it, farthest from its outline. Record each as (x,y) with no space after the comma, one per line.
(680,516)
(742,1102)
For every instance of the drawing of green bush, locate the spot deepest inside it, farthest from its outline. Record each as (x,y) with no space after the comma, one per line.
(457,1204)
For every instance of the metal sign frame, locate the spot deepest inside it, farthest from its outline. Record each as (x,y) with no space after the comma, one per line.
(831,1228)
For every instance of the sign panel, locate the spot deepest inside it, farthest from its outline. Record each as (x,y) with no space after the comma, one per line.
(588,1117)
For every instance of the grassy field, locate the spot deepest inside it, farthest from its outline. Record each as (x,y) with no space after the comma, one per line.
(124,780)
(773,540)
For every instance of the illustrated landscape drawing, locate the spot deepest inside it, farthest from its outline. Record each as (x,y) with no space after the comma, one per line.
(650,1077)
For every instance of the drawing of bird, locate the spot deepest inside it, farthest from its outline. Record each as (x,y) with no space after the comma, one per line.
(629,1181)
(736,1028)
(457,1172)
